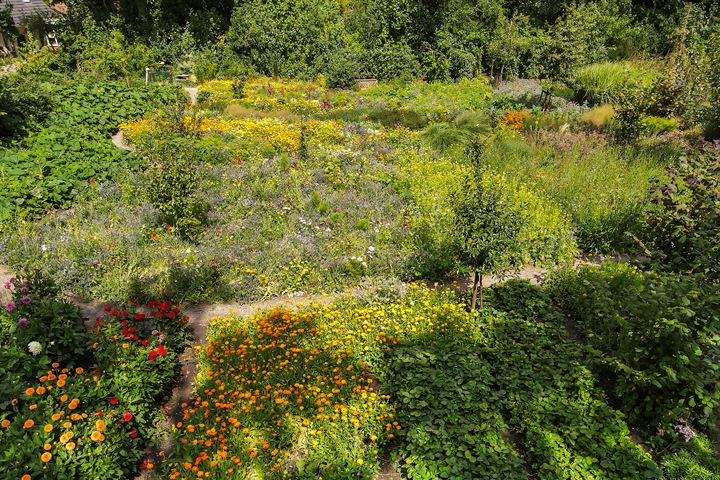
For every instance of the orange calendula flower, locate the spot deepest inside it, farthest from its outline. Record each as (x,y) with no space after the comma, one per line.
(55,365)
(26,477)
(100,425)
(97,436)
(70,446)
(61,383)
(48,428)
(40,390)
(30,391)
(29,423)
(5,423)
(47,446)
(46,457)
(63,398)
(79,370)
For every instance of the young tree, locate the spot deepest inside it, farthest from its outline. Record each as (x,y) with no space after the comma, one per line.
(489,229)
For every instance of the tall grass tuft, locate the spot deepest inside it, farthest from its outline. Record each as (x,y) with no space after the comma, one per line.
(602,187)
(603,82)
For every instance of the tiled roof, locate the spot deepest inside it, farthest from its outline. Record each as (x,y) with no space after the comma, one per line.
(22,10)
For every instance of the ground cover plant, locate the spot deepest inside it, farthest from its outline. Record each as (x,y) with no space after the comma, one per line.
(417,376)
(69,150)
(78,402)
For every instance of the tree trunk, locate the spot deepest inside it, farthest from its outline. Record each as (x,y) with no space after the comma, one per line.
(474,292)
(481,293)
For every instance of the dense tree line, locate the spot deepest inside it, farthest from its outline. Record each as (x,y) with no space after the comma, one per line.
(433,39)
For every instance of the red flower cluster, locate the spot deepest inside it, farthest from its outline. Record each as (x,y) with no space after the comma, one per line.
(166,310)
(159,351)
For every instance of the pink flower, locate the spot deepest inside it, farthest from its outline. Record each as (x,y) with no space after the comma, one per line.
(10,307)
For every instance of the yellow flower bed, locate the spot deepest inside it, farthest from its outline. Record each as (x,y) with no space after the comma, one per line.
(273,132)
(286,384)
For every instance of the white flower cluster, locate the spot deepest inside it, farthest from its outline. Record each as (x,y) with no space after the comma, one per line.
(35,347)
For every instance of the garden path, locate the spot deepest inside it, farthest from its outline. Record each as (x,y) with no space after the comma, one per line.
(192,92)
(119,141)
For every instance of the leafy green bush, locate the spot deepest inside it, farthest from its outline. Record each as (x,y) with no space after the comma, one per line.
(682,232)
(656,333)
(314,25)
(173,179)
(23,103)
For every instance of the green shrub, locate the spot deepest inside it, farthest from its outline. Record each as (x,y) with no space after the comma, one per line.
(310,31)
(656,333)
(658,125)
(682,231)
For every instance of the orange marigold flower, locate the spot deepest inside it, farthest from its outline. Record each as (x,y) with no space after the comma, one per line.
(63,398)
(48,428)
(55,365)
(47,446)
(29,423)
(40,390)
(100,425)
(5,423)
(46,457)
(79,370)
(70,446)
(30,391)
(26,477)
(61,383)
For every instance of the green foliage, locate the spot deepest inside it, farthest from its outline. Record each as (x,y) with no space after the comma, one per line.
(23,102)
(501,226)
(550,397)
(682,232)
(603,188)
(604,82)
(656,333)
(71,151)
(446,404)
(658,125)
(173,179)
(309,30)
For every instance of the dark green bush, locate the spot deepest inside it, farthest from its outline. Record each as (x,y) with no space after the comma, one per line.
(656,333)
(682,231)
